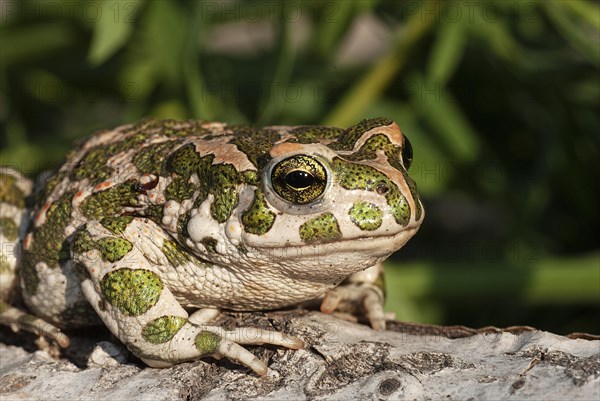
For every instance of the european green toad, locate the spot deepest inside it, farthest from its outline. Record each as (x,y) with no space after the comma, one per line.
(153,228)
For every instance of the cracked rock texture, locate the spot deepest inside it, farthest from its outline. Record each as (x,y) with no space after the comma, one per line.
(341,361)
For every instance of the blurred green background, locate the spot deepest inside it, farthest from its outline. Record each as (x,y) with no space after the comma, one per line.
(500,100)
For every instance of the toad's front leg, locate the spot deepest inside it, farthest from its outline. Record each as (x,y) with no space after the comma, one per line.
(118,262)
(362,293)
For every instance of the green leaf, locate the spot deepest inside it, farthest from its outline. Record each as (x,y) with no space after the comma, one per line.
(163,37)
(572,32)
(497,38)
(174,109)
(334,19)
(202,104)
(46,87)
(374,82)
(447,51)
(112,29)
(587,10)
(136,80)
(550,280)
(436,105)
(22,43)
(305,105)
(271,107)
(155,54)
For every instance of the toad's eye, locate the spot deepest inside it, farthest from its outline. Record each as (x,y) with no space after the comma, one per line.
(299,179)
(407,153)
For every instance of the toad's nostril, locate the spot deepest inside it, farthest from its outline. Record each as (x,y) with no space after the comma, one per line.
(382,189)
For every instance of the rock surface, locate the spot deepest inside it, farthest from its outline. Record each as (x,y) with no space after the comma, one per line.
(341,361)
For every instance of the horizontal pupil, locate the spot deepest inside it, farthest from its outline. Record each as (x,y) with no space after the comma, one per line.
(299,179)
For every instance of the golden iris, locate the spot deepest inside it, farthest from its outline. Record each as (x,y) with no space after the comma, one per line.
(299,179)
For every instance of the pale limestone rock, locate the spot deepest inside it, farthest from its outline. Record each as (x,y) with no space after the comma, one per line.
(342,361)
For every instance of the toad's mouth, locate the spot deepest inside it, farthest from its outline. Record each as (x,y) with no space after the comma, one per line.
(329,260)
(383,243)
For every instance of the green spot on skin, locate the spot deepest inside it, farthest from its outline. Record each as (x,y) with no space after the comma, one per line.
(204,185)
(9,229)
(174,128)
(184,161)
(348,139)
(116,225)
(48,244)
(392,152)
(368,150)
(224,179)
(358,176)
(9,191)
(5,267)
(320,229)
(133,292)
(110,202)
(163,329)
(255,143)
(412,186)
(113,249)
(177,255)
(207,343)
(50,186)
(154,213)
(313,134)
(151,159)
(93,165)
(83,242)
(179,189)
(249,177)
(220,180)
(366,216)
(258,219)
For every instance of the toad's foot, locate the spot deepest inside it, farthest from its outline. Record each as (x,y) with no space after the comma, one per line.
(17,319)
(216,342)
(358,299)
